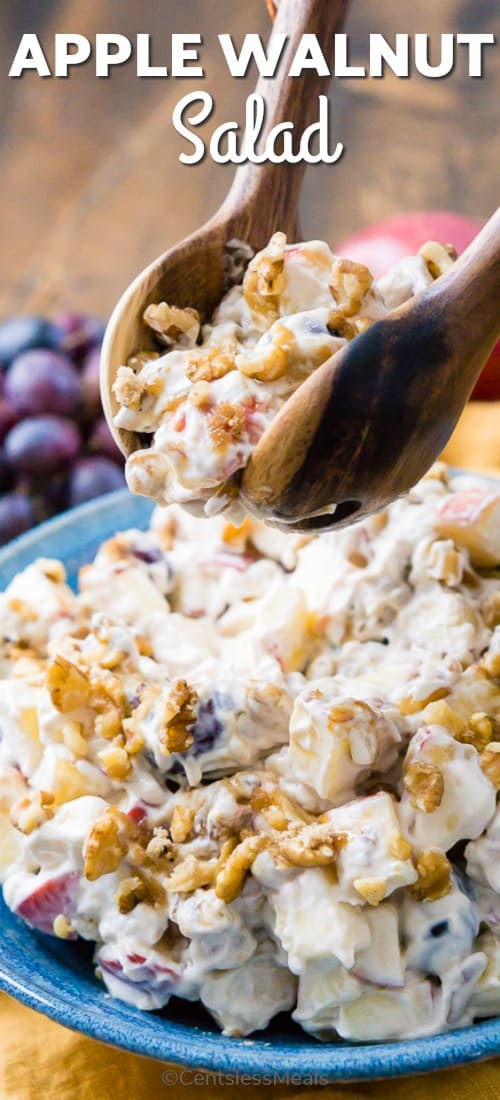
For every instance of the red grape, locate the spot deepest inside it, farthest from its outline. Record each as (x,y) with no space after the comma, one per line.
(91,384)
(6,478)
(8,418)
(16,515)
(78,333)
(49,385)
(52,497)
(40,446)
(19,334)
(43,381)
(92,477)
(101,441)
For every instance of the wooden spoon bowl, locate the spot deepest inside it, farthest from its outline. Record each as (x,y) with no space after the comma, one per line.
(263,199)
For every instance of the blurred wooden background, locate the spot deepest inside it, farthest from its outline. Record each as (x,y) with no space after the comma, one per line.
(91,185)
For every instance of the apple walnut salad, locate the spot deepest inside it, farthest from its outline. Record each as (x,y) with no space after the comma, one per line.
(266,777)
(208,397)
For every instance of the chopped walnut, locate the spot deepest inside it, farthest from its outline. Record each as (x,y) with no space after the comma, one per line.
(262,802)
(179,714)
(181,823)
(191,874)
(128,388)
(491,664)
(490,763)
(106,690)
(115,761)
(67,685)
(433,880)
(174,326)
(134,740)
(264,363)
(74,739)
(277,808)
(106,845)
(444,562)
(398,846)
(226,424)
(29,813)
(349,282)
(160,849)
(263,281)
(491,611)
(440,713)
(144,646)
(425,785)
(309,846)
(108,723)
(338,325)
(147,699)
(209,363)
(439,258)
(478,733)
(110,658)
(413,706)
(130,893)
(63,927)
(232,874)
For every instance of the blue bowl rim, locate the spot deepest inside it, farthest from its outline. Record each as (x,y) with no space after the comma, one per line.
(213,1051)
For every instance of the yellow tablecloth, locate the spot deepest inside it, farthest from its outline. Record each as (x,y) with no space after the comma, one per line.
(40,1060)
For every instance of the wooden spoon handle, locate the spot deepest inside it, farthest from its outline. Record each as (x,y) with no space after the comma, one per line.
(289,99)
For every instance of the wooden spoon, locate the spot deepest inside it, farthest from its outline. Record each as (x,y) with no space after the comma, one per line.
(370,421)
(262,199)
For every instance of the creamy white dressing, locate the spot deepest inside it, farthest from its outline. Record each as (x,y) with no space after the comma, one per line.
(273,335)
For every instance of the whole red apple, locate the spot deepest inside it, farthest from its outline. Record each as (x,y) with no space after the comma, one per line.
(382,244)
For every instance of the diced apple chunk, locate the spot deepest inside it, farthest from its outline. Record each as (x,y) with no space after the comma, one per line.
(472,519)
(380,963)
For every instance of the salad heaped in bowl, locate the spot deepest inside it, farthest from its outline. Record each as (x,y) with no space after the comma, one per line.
(260,770)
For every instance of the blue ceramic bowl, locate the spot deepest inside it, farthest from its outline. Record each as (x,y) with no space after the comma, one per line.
(57,978)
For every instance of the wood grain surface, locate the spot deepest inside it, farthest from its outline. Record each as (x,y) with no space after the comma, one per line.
(92,189)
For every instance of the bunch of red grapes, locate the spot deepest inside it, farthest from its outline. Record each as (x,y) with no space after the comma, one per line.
(55,447)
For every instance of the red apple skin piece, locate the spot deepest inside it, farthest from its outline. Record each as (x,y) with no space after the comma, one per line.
(150,977)
(384,243)
(54,897)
